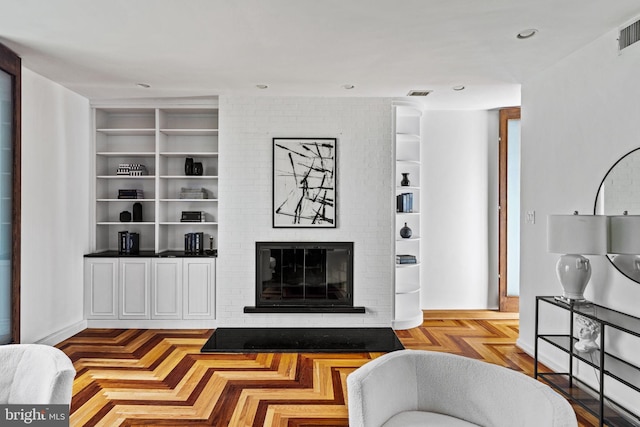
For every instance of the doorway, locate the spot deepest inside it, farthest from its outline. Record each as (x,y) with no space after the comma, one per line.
(509,214)
(10,122)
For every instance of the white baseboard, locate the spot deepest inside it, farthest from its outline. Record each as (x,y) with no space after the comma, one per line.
(63,334)
(152,324)
(549,363)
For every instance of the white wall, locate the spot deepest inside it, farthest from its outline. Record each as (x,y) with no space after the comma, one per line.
(55,214)
(459,178)
(365,200)
(578,118)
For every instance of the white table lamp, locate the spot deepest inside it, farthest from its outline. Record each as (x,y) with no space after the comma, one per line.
(574,236)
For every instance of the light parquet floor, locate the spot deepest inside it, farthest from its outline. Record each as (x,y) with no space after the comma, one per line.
(159,377)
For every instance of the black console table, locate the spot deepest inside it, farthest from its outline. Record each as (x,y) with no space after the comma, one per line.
(608,367)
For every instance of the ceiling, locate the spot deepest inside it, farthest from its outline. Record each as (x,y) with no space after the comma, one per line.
(102,48)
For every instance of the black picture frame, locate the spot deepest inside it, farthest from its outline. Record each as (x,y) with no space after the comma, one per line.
(304,183)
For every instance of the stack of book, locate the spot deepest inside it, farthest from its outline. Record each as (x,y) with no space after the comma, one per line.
(132,169)
(194,243)
(128,243)
(406,259)
(404,202)
(130,194)
(193,193)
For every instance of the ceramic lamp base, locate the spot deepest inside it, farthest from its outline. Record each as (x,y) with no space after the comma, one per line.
(574,272)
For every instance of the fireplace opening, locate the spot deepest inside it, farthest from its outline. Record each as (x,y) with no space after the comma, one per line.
(304,277)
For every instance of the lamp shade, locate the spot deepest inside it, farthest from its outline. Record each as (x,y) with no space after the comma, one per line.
(624,234)
(577,234)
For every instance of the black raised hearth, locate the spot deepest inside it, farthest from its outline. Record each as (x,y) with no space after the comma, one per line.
(304,277)
(316,340)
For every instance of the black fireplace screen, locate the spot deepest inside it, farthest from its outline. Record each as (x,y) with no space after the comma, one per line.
(304,274)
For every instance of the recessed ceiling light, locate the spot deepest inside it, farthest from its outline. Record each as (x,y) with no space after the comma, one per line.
(262,86)
(143,85)
(458,88)
(525,34)
(348,86)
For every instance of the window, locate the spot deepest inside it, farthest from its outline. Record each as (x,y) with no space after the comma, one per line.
(10,94)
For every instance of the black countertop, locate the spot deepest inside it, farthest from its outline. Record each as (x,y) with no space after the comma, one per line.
(152,254)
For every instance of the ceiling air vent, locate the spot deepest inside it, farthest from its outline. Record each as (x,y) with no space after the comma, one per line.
(419,92)
(629,35)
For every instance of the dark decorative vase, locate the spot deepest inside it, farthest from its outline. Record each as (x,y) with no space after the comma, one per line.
(405,232)
(188,166)
(137,212)
(405,179)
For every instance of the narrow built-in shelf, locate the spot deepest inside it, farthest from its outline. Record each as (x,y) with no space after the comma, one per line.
(188,200)
(408,288)
(124,223)
(416,264)
(126,200)
(189,154)
(408,292)
(126,153)
(188,223)
(406,161)
(125,177)
(127,132)
(191,132)
(189,176)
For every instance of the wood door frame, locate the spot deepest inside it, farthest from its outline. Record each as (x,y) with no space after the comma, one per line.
(12,64)
(507,303)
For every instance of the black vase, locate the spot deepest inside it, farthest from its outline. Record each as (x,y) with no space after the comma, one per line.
(405,179)
(137,212)
(405,232)
(188,166)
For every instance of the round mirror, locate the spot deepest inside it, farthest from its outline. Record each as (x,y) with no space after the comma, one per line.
(619,194)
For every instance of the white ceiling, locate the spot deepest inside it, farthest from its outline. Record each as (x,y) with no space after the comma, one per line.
(102,48)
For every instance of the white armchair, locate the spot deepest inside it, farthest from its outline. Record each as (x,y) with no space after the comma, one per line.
(422,388)
(35,374)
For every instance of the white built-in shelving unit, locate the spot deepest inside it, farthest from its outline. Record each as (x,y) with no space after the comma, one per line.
(407,149)
(161,138)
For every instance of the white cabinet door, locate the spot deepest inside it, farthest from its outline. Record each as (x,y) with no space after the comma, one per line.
(101,288)
(134,288)
(198,288)
(166,288)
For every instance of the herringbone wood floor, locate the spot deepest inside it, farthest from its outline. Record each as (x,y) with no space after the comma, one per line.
(159,377)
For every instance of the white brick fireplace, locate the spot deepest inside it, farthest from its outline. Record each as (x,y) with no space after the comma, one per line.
(365,198)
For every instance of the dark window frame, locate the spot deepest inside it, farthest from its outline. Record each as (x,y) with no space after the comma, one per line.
(12,64)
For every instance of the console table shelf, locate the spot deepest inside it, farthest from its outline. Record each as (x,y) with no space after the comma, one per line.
(608,366)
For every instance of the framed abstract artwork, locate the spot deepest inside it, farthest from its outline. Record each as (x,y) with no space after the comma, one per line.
(304,182)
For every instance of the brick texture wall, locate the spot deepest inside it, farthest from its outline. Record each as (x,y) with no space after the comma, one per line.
(362,127)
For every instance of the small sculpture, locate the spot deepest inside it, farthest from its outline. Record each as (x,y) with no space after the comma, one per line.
(588,332)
